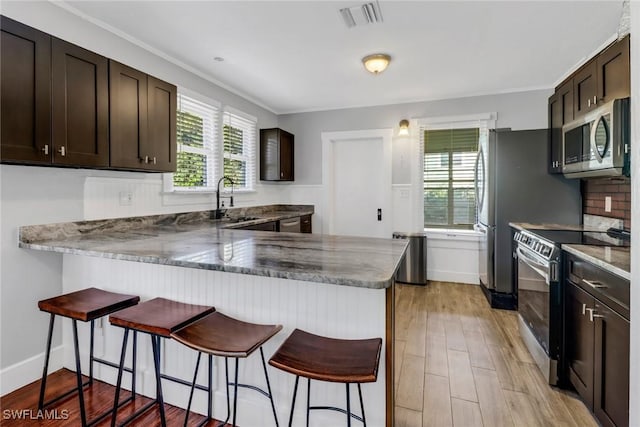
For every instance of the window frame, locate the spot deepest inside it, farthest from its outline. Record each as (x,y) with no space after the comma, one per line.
(482,121)
(249,142)
(217,153)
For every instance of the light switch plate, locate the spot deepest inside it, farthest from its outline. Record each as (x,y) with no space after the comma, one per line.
(607,204)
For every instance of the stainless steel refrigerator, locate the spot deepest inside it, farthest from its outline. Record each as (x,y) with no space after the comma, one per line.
(512,185)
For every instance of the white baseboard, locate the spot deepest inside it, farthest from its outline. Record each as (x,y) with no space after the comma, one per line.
(22,373)
(453,276)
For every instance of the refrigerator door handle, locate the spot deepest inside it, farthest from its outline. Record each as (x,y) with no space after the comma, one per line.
(475,178)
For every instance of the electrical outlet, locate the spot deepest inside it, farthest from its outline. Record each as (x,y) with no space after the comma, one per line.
(126,198)
(607,204)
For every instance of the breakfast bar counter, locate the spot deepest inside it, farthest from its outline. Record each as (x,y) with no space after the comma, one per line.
(335,286)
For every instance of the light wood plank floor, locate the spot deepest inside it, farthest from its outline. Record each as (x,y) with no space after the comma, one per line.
(461,363)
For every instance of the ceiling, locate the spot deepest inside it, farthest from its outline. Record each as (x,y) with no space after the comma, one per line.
(294,56)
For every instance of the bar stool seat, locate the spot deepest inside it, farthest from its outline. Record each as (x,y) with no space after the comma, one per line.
(220,335)
(85,305)
(158,317)
(329,359)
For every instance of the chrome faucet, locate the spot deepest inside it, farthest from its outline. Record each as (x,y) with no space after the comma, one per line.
(218,196)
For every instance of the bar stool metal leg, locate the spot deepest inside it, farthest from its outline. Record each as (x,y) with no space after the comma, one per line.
(348,406)
(308,399)
(235,394)
(293,402)
(209,392)
(193,386)
(83,414)
(266,376)
(123,353)
(43,382)
(155,346)
(364,420)
(91,353)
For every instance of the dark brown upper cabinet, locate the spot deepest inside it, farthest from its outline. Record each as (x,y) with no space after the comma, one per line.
(614,72)
(276,155)
(603,79)
(143,120)
(63,105)
(560,113)
(25,88)
(585,89)
(161,142)
(80,106)
(128,115)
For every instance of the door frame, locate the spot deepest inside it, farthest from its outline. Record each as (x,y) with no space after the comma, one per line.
(329,139)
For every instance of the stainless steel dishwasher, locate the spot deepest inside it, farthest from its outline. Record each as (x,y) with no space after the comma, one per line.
(291,225)
(413,269)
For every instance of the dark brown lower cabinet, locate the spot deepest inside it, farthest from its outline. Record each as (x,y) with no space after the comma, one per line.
(265,226)
(305,224)
(580,342)
(597,349)
(611,368)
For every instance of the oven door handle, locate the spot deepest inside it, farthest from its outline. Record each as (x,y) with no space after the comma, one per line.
(537,266)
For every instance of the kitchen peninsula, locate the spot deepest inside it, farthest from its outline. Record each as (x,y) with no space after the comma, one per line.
(336,286)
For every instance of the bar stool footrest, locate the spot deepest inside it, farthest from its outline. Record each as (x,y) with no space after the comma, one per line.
(65,394)
(333,408)
(252,387)
(139,412)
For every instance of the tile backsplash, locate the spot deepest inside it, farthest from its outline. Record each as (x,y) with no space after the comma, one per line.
(594,192)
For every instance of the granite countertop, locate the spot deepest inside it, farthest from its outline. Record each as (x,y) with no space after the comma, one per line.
(611,258)
(193,240)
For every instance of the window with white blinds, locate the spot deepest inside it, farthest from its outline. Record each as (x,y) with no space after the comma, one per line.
(449,180)
(197,124)
(239,141)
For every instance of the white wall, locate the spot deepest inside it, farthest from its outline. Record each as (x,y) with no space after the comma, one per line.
(634,381)
(521,110)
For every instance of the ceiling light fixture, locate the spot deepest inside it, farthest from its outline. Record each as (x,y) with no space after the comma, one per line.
(404,127)
(376,63)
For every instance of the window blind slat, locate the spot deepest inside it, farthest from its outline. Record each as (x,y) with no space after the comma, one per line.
(196,127)
(239,141)
(449,177)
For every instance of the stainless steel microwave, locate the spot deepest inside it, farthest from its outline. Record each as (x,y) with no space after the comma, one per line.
(597,144)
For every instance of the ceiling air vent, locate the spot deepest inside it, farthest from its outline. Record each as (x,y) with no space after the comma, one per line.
(367,13)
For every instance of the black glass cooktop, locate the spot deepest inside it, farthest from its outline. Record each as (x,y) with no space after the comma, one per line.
(594,238)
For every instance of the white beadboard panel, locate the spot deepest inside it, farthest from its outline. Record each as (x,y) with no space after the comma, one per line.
(330,310)
(453,257)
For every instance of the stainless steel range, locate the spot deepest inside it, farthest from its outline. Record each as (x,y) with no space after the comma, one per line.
(540,300)
(539,287)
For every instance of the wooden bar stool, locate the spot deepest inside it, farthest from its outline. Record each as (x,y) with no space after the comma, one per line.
(158,317)
(328,359)
(220,335)
(86,305)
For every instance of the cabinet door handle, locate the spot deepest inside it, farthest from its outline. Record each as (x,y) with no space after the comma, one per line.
(584,309)
(588,102)
(281,174)
(45,149)
(62,151)
(593,315)
(154,161)
(146,159)
(595,100)
(594,285)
